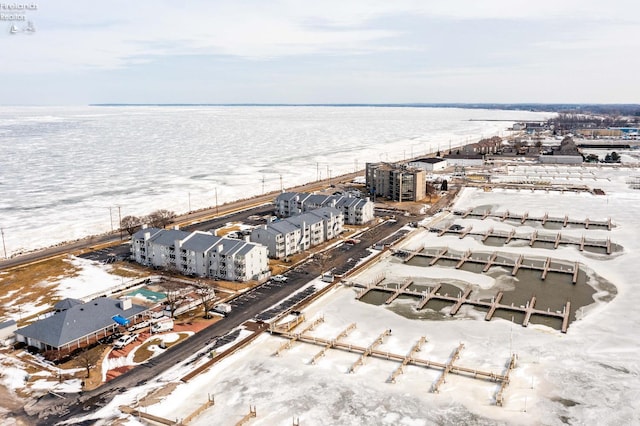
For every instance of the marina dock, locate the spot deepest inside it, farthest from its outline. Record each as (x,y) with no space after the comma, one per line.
(525,216)
(532,238)
(489,260)
(463,299)
(448,367)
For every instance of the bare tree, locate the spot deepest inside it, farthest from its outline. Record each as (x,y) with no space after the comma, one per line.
(130,224)
(207,295)
(175,295)
(88,359)
(160,218)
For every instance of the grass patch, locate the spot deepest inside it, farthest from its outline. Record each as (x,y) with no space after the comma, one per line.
(221,232)
(28,284)
(143,353)
(128,270)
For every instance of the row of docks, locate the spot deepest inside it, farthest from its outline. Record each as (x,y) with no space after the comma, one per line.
(489,260)
(492,305)
(522,218)
(539,186)
(532,238)
(555,176)
(448,367)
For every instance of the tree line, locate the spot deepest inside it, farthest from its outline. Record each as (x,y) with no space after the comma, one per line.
(157,219)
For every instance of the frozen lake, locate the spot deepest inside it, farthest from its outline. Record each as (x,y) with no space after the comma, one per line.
(65,170)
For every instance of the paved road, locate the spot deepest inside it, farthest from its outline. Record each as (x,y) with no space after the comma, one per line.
(52,409)
(199,216)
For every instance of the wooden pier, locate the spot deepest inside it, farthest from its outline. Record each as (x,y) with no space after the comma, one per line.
(369,350)
(489,260)
(505,382)
(399,291)
(494,304)
(332,343)
(449,367)
(533,237)
(398,371)
(287,345)
(544,219)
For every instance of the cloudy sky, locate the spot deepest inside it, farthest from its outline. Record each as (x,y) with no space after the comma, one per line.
(303,51)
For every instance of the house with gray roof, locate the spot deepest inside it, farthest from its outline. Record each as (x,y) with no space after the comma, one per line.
(200,253)
(356,211)
(79,324)
(292,235)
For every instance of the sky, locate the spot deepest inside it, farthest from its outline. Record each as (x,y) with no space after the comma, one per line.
(302,51)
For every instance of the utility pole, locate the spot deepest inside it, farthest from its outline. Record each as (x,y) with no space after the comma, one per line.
(216,200)
(263,184)
(281,187)
(120,222)
(4,247)
(317,171)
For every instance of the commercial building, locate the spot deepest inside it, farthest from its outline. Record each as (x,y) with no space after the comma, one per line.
(432,164)
(396,182)
(292,235)
(200,253)
(76,324)
(356,211)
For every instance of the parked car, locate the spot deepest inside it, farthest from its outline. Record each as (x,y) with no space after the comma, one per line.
(221,309)
(279,278)
(124,341)
(138,326)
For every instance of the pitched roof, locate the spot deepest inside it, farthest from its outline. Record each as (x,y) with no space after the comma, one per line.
(325,212)
(78,321)
(200,241)
(169,236)
(140,234)
(286,196)
(67,303)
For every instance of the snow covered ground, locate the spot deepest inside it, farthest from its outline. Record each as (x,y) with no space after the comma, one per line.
(587,376)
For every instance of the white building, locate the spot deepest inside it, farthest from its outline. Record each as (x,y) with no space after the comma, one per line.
(298,233)
(429,164)
(200,253)
(356,211)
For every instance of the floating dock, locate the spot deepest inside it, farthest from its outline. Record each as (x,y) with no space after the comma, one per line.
(497,259)
(507,215)
(532,238)
(494,304)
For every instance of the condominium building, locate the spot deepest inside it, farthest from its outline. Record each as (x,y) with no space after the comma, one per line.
(200,253)
(292,235)
(356,211)
(396,182)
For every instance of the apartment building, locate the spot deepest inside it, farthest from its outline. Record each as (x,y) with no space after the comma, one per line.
(200,253)
(292,235)
(396,182)
(356,211)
